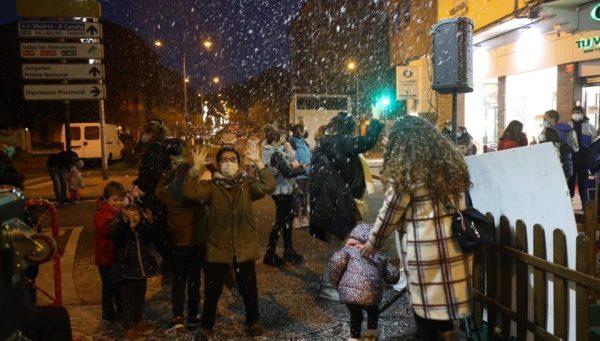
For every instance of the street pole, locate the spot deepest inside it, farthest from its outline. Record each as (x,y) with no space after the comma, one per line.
(357,100)
(185,99)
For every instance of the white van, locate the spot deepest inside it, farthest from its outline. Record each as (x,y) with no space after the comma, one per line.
(85,141)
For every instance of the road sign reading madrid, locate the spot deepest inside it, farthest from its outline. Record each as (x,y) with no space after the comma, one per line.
(43,29)
(61,50)
(62,71)
(71,92)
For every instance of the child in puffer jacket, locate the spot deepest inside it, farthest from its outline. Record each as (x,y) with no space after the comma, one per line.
(359,282)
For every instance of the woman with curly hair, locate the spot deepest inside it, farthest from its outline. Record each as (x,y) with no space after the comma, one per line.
(423,172)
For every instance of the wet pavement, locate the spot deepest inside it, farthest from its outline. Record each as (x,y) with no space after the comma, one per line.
(289,307)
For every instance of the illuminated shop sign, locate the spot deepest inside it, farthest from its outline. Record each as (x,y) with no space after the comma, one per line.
(589,44)
(595,13)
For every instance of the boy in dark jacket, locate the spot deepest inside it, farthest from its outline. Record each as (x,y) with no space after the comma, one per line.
(133,265)
(187,229)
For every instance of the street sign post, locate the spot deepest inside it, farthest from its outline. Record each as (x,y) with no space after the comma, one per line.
(61,51)
(64,92)
(63,29)
(58,9)
(62,71)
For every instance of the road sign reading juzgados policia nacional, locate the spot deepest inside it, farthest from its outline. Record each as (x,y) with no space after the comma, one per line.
(62,71)
(64,92)
(43,29)
(61,51)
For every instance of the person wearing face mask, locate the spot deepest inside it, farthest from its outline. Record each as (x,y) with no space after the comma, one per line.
(567,139)
(464,141)
(232,239)
(447,130)
(586,133)
(285,170)
(8,172)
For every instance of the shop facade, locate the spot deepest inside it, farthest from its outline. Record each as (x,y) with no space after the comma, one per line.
(552,62)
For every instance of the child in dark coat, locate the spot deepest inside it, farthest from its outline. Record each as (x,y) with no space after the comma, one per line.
(133,265)
(359,282)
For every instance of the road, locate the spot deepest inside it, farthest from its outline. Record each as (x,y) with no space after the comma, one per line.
(288,302)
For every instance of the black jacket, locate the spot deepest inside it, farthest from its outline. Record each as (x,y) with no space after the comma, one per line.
(155,162)
(337,178)
(133,260)
(63,160)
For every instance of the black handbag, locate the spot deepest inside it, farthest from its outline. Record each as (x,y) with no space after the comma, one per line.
(469,228)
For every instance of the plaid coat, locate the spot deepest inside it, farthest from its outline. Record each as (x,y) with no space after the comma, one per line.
(439,274)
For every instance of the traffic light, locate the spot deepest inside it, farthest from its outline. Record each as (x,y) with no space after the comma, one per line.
(384,101)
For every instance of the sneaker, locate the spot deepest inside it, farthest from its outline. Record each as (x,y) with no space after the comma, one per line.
(256,329)
(370,335)
(177,324)
(193,321)
(144,328)
(304,222)
(297,223)
(328,292)
(203,334)
(132,334)
(271,258)
(291,256)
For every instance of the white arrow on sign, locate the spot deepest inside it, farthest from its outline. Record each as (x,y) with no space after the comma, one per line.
(62,71)
(65,29)
(61,51)
(71,92)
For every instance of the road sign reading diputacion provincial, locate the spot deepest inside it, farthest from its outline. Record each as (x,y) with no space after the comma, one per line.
(61,51)
(62,71)
(43,29)
(66,92)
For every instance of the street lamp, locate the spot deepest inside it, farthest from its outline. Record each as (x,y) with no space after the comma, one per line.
(216,80)
(185,79)
(352,67)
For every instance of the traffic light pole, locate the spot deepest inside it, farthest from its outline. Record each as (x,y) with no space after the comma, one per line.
(454,115)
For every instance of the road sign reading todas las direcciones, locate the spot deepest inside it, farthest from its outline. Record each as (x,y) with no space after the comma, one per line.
(44,29)
(61,50)
(70,92)
(62,71)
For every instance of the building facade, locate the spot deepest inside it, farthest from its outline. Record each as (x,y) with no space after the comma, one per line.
(329,36)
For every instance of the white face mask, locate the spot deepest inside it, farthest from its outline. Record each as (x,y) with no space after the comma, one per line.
(448,127)
(577,117)
(459,134)
(546,124)
(229,168)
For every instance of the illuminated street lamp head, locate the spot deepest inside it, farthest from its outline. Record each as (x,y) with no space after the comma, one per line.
(351,65)
(158,43)
(187,79)
(216,80)
(207,44)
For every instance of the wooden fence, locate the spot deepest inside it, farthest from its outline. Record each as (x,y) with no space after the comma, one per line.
(495,268)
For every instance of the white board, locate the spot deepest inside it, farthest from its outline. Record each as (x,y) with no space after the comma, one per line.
(528,183)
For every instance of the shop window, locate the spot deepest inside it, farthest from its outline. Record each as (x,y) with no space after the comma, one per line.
(92,133)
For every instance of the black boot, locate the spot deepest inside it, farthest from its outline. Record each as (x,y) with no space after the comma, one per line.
(271,258)
(291,256)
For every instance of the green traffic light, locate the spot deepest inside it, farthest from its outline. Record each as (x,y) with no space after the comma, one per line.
(385,101)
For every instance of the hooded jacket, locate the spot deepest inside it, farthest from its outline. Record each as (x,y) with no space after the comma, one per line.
(303,153)
(133,259)
(231,225)
(187,223)
(279,163)
(337,178)
(103,223)
(357,278)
